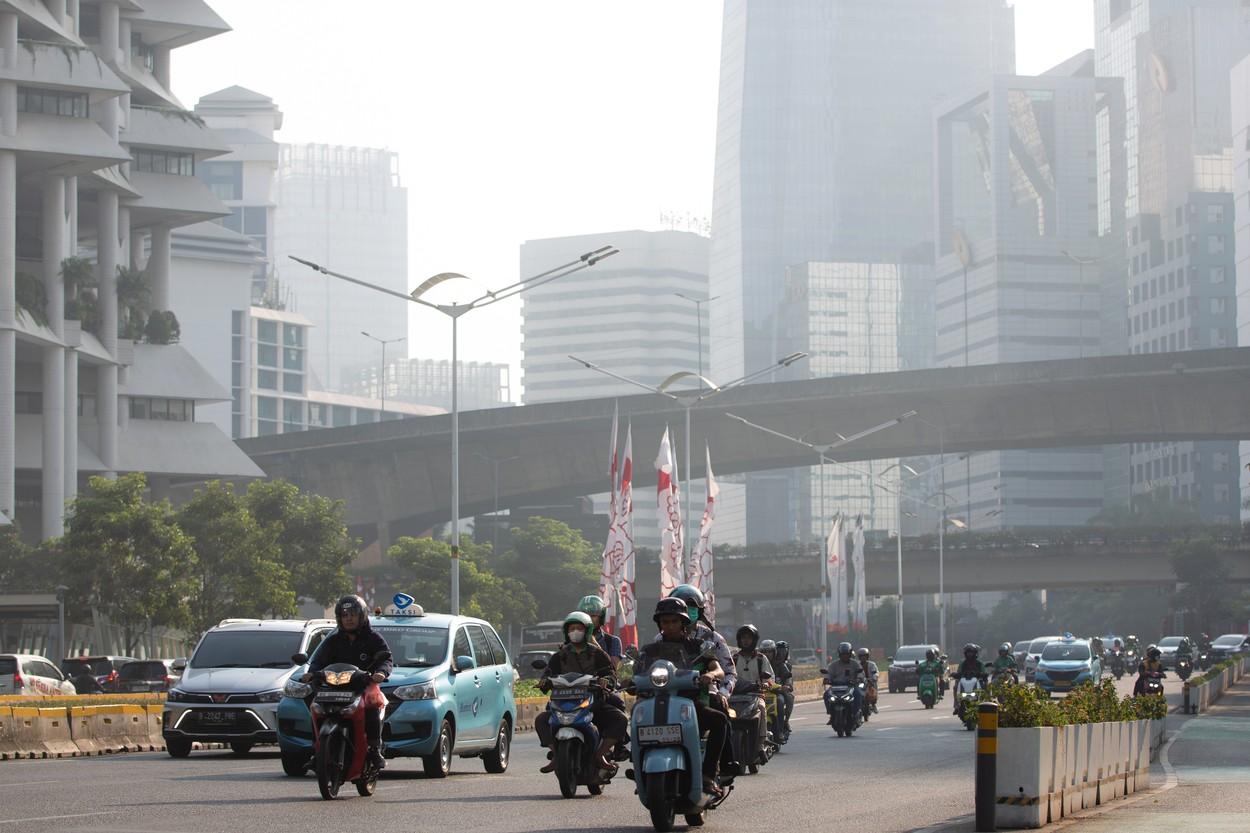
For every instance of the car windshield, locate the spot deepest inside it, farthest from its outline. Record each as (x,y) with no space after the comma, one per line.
(1061,651)
(411,647)
(1021,646)
(911,653)
(246,649)
(143,671)
(1038,644)
(1234,640)
(1170,641)
(98,667)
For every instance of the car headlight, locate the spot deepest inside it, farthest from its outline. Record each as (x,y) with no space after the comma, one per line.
(659,676)
(296,689)
(176,696)
(268,696)
(416,691)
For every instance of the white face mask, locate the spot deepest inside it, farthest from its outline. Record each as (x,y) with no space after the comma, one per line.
(577,636)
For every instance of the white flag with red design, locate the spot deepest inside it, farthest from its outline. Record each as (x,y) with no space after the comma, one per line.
(613,553)
(627,599)
(702,574)
(668,510)
(836,565)
(859,616)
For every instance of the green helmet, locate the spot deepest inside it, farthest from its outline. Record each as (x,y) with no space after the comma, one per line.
(694,598)
(579,618)
(593,605)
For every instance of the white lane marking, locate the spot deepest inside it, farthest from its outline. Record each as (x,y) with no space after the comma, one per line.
(55,818)
(886,729)
(799,718)
(27,783)
(886,707)
(939,717)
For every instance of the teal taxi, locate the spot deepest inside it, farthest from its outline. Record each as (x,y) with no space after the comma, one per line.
(450,693)
(1067,663)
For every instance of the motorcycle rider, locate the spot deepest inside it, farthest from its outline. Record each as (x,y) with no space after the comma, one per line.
(754,671)
(1004,663)
(1152,664)
(870,675)
(355,642)
(1184,649)
(678,644)
(970,667)
(580,654)
(930,665)
(596,608)
(1131,644)
(778,654)
(845,670)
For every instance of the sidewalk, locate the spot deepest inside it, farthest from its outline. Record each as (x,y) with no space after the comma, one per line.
(1205,773)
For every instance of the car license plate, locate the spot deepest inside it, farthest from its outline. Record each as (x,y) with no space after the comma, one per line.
(222,718)
(659,734)
(1061,683)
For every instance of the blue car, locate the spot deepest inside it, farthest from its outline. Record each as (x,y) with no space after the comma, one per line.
(1066,663)
(451,692)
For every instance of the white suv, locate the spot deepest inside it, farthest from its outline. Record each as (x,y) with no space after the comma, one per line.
(32,676)
(230,688)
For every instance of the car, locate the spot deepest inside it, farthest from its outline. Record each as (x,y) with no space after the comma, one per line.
(902,673)
(803,656)
(145,675)
(230,687)
(1065,664)
(1230,643)
(103,668)
(524,664)
(451,692)
(1167,650)
(1019,651)
(1034,654)
(30,675)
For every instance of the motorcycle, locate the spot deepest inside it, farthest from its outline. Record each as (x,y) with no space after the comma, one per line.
(1204,659)
(965,706)
(668,748)
(840,702)
(752,744)
(1154,683)
(340,696)
(1184,667)
(929,689)
(571,709)
(1116,662)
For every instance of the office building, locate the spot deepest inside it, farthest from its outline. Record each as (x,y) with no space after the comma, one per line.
(1240,112)
(428,382)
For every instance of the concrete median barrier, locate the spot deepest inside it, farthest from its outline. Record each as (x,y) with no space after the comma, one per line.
(8,741)
(155,724)
(42,732)
(104,730)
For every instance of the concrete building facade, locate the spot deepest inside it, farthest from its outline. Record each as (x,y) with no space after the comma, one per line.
(1239,89)
(97,162)
(428,382)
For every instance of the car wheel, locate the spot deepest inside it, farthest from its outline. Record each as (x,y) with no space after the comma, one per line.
(496,760)
(438,763)
(178,747)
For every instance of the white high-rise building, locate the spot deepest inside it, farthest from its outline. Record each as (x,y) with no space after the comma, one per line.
(1240,88)
(97,163)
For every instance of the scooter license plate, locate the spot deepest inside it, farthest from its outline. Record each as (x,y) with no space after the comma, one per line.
(659,734)
(334,696)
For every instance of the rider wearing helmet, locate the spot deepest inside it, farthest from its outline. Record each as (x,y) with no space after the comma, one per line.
(1151,665)
(357,643)
(931,664)
(870,675)
(696,605)
(678,644)
(753,668)
(596,608)
(1004,663)
(845,670)
(785,676)
(580,654)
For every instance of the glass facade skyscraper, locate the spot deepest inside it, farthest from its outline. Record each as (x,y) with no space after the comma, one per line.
(824,143)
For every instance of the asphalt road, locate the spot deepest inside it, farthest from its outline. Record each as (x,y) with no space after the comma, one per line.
(907,768)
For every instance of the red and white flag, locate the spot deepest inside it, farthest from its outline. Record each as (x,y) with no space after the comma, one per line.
(668,510)
(859,615)
(701,576)
(836,565)
(627,599)
(612,551)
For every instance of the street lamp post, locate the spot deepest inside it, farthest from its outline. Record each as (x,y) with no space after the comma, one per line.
(698,314)
(382,376)
(454,311)
(687,400)
(495,462)
(1081,263)
(898,623)
(61,590)
(823,451)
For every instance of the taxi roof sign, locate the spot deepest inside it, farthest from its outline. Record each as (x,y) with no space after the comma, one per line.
(411,610)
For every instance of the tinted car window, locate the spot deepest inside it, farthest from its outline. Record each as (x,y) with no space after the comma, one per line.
(910,653)
(481,648)
(246,649)
(50,671)
(1038,644)
(1020,646)
(461,648)
(1224,642)
(74,667)
(8,665)
(1059,651)
(414,647)
(1170,641)
(143,671)
(496,646)
(315,640)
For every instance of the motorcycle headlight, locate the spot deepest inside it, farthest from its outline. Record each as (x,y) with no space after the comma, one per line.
(416,691)
(269,696)
(659,676)
(296,689)
(566,718)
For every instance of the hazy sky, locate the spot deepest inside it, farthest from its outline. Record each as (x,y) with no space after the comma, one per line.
(514,120)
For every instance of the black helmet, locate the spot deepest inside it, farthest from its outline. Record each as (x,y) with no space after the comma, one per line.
(696,601)
(863,653)
(783,650)
(930,655)
(1153,652)
(844,650)
(751,631)
(671,607)
(352,604)
(971,650)
(1004,649)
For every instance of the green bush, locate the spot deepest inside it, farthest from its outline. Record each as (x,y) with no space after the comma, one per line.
(1025,706)
(162,328)
(31,297)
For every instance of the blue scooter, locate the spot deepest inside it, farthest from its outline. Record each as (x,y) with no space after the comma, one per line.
(667,747)
(571,712)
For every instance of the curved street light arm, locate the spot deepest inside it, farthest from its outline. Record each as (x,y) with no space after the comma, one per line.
(626,379)
(323,270)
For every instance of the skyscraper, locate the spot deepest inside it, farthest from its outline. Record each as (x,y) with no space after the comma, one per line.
(824,143)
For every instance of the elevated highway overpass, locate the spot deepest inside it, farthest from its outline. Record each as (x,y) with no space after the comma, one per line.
(396,475)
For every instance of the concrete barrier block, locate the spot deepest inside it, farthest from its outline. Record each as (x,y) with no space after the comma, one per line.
(102,730)
(1023,780)
(1059,772)
(1072,786)
(154,714)
(1089,744)
(8,740)
(42,732)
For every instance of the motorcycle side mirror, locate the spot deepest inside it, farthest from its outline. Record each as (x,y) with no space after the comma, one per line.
(297,659)
(889,659)
(945,657)
(538,664)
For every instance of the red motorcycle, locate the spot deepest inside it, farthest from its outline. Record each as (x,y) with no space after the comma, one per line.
(341,695)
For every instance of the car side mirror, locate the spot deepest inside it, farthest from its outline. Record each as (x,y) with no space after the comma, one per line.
(300,658)
(538,664)
(180,664)
(464,663)
(889,659)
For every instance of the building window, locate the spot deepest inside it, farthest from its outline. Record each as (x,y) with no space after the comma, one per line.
(292,359)
(1219,306)
(293,335)
(267,379)
(292,414)
(292,383)
(1217,274)
(266,407)
(1219,337)
(141,53)
(1215,244)
(53,102)
(1215,214)
(342,416)
(1220,493)
(163,410)
(317,415)
(163,162)
(267,331)
(267,355)
(224,178)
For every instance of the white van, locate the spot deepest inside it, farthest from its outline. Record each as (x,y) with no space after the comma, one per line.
(31,675)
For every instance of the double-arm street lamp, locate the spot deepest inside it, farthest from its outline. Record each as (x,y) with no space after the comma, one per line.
(688,399)
(454,311)
(382,376)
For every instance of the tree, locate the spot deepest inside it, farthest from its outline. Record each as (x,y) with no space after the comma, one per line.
(19,567)
(1206,593)
(555,563)
(127,558)
(499,600)
(238,566)
(311,536)
(1018,615)
(133,293)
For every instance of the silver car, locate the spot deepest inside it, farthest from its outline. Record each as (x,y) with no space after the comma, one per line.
(1035,654)
(230,688)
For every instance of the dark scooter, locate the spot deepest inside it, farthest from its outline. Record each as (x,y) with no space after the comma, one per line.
(338,718)
(574,735)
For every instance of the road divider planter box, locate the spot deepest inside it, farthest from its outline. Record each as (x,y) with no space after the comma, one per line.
(1200,696)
